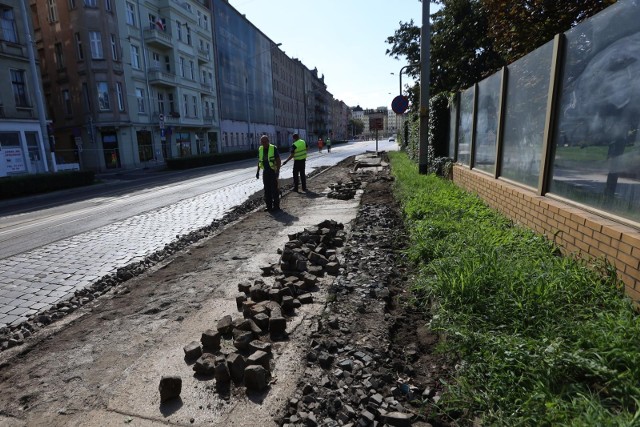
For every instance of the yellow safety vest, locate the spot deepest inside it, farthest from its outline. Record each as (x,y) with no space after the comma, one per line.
(272,156)
(301,150)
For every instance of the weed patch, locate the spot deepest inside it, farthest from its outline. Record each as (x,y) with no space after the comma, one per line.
(541,339)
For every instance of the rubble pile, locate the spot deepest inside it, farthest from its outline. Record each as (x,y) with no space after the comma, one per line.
(344,191)
(355,375)
(238,350)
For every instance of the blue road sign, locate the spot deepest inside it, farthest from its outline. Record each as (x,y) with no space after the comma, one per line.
(400,104)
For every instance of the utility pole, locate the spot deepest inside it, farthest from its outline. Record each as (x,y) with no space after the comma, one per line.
(425,41)
(39,100)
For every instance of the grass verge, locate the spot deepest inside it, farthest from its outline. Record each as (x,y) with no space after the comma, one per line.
(541,339)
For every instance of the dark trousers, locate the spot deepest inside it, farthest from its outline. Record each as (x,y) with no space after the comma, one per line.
(271,194)
(298,169)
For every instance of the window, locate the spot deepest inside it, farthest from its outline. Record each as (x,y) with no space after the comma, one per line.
(185,104)
(114,47)
(135,57)
(59,57)
(120,94)
(155,60)
(19,85)
(72,4)
(194,103)
(172,106)
(152,21)
(79,51)
(206,22)
(161,102)
(103,96)
(66,102)
(179,30)
(91,3)
(131,14)
(167,64)
(52,10)
(8,25)
(192,70)
(107,5)
(182,67)
(199,19)
(188,35)
(140,99)
(95,40)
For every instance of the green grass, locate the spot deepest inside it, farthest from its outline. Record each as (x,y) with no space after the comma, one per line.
(541,339)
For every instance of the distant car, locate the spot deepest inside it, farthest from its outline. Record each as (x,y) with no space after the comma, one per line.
(392,139)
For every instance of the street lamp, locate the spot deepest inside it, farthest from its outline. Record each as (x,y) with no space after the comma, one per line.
(400,73)
(246,87)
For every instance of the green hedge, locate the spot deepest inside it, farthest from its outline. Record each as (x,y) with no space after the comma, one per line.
(25,185)
(180,163)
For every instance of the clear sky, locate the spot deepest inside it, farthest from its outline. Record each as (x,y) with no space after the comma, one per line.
(344,39)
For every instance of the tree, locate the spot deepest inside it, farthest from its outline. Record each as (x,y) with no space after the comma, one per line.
(356,126)
(471,39)
(519,27)
(461,51)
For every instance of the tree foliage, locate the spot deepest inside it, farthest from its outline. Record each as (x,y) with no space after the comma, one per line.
(518,27)
(471,39)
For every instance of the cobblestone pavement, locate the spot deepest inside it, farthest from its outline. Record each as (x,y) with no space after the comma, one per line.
(36,280)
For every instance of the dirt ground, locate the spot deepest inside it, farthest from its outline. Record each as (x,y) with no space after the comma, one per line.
(102,364)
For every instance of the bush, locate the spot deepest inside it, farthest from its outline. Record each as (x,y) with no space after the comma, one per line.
(181,163)
(25,185)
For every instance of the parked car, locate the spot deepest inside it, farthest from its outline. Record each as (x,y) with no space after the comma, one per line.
(392,139)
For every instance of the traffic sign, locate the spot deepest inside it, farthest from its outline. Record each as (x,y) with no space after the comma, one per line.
(400,104)
(376,123)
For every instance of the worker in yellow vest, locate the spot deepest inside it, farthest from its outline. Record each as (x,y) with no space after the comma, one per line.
(299,155)
(269,162)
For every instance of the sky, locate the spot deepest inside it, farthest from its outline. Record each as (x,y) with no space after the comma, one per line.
(344,39)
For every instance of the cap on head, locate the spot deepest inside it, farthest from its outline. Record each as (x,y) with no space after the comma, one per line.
(264,139)
(296,136)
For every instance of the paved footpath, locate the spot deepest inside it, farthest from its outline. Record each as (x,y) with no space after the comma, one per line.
(38,279)
(35,280)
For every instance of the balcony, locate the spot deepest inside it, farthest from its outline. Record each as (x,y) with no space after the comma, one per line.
(157,77)
(206,87)
(158,39)
(13,49)
(203,56)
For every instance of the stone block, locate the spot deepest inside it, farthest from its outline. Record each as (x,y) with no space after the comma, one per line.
(192,350)
(205,364)
(225,325)
(170,387)
(277,325)
(256,345)
(241,339)
(256,378)
(211,340)
(236,365)
(259,358)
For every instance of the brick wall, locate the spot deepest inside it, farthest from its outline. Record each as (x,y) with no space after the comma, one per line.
(575,230)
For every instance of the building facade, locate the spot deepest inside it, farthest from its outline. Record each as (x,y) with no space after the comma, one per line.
(127,83)
(23,145)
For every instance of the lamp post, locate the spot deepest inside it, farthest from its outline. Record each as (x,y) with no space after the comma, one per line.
(246,87)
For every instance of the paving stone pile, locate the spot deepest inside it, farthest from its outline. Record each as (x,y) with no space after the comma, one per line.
(344,190)
(238,351)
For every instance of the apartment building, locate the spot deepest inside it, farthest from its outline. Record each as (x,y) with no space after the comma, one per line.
(23,145)
(127,83)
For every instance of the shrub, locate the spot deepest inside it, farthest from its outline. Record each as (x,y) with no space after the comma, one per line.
(25,185)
